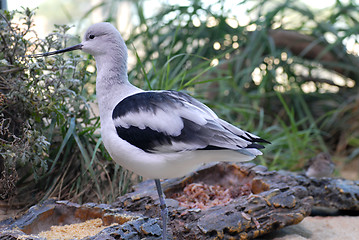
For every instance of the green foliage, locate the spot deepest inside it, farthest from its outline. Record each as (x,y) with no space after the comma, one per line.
(287,75)
(49,133)
(284,48)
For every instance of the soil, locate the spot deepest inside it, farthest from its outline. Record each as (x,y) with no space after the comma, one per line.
(6,212)
(74,231)
(318,228)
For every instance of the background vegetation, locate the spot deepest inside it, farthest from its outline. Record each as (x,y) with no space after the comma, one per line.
(289,74)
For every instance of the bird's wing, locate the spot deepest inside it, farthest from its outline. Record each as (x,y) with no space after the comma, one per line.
(170,121)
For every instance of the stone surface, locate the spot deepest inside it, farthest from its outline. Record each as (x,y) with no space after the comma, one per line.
(42,216)
(275,201)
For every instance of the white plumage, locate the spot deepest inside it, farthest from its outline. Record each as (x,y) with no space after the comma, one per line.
(174,132)
(156,134)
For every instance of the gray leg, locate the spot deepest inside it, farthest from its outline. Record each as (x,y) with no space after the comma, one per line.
(164,210)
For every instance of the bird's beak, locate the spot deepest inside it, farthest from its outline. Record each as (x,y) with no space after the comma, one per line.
(76,47)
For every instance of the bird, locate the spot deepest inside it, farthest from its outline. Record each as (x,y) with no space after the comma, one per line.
(320,166)
(157,134)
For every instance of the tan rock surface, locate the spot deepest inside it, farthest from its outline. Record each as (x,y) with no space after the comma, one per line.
(319,228)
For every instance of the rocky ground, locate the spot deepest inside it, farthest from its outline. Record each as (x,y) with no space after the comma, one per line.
(333,227)
(312,228)
(320,227)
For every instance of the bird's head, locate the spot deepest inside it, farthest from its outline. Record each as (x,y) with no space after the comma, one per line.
(103,38)
(99,39)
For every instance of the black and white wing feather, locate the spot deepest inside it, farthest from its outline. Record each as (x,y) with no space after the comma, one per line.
(170,121)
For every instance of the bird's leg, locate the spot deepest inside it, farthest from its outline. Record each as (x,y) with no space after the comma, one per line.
(164,210)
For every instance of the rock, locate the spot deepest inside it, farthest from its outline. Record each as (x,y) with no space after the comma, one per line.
(258,202)
(276,201)
(336,193)
(42,216)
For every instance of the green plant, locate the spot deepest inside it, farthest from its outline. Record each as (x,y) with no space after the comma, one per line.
(286,75)
(48,130)
(285,48)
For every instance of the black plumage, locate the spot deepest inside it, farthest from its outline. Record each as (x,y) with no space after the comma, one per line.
(210,135)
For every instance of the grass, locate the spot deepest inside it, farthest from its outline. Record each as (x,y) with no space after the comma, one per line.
(278,106)
(49,137)
(252,80)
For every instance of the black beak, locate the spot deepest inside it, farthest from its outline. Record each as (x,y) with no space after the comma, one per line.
(76,47)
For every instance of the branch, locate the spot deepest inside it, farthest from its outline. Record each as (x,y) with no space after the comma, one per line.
(309,47)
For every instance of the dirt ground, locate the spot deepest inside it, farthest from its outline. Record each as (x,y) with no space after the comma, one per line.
(349,170)
(319,228)
(5,212)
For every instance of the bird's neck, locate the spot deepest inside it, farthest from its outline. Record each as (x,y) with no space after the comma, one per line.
(112,84)
(113,67)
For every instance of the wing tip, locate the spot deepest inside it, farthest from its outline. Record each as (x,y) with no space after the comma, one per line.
(252,152)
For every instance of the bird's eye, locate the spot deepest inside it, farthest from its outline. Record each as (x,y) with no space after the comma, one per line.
(91,36)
